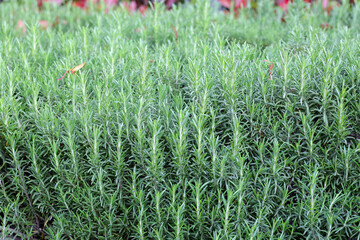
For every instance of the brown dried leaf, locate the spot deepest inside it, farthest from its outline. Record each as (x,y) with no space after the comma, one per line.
(77,68)
(176,32)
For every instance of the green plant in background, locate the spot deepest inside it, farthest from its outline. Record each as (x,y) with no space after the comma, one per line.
(176,127)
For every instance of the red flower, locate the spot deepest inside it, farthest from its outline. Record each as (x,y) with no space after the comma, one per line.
(142,9)
(44,24)
(238,3)
(169,3)
(325,3)
(81,3)
(130,7)
(21,26)
(283,4)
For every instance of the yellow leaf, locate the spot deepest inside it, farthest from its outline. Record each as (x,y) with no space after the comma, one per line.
(77,68)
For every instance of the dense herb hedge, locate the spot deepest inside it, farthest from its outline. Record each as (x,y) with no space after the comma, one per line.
(176,128)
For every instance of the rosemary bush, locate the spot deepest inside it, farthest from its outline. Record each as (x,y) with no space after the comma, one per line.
(176,128)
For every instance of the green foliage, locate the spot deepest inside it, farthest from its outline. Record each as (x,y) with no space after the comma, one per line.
(187,137)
